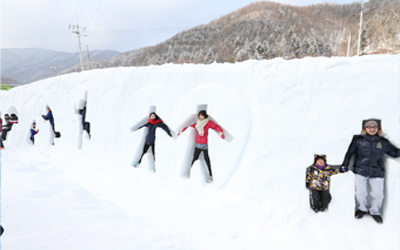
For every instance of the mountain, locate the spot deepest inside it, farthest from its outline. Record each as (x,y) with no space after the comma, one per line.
(266,30)
(31,64)
(84,194)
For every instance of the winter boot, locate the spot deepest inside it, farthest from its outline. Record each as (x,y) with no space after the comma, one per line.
(359,214)
(136,165)
(378,218)
(210,179)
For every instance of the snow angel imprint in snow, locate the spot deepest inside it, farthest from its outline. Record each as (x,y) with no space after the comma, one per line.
(33,131)
(50,118)
(369,149)
(202,126)
(318,178)
(153,123)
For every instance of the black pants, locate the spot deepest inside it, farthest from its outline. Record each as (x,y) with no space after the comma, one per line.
(4,134)
(1,143)
(319,198)
(86,127)
(196,155)
(145,148)
(32,139)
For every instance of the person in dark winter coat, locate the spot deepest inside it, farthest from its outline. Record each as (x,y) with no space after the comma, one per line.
(153,123)
(85,124)
(202,126)
(1,130)
(10,121)
(369,149)
(49,117)
(34,131)
(318,178)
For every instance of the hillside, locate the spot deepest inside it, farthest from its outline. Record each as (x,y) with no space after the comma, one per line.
(84,194)
(29,65)
(266,30)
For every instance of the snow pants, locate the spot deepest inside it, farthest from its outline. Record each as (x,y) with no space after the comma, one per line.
(319,198)
(145,148)
(196,155)
(4,133)
(86,127)
(361,193)
(1,143)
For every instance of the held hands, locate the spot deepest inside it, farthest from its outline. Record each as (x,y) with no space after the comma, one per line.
(343,169)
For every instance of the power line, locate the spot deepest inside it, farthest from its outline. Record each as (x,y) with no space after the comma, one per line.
(94,13)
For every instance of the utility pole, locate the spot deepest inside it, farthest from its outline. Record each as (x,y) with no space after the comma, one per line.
(360,30)
(88,58)
(78,33)
(53,69)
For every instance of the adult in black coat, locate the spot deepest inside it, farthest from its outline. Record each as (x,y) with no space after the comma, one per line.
(153,123)
(85,124)
(369,149)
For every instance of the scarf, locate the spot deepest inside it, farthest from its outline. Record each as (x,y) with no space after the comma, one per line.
(200,126)
(154,121)
(320,167)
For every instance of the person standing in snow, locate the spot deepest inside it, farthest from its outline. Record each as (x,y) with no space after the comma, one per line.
(34,131)
(50,118)
(318,178)
(85,124)
(369,149)
(202,126)
(153,123)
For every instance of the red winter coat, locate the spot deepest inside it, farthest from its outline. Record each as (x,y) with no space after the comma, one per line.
(204,139)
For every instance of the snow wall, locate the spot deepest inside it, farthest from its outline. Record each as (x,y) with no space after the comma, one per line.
(85,194)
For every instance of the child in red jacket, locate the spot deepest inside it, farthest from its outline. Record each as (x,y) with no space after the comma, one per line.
(202,126)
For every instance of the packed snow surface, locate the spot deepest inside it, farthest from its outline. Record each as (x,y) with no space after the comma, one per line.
(84,194)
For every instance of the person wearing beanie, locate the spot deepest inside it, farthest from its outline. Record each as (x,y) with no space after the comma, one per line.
(318,177)
(202,126)
(34,131)
(369,149)
(153,123)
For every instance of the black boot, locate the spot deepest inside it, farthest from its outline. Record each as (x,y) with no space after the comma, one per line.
(359,214)
(377,218)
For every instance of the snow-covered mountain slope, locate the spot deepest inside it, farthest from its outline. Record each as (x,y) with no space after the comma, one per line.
(85,194)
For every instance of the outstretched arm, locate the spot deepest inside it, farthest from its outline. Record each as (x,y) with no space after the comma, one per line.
(350,151)
(215,126)
(392,150)
(165,127)
(144,125)
(183,130)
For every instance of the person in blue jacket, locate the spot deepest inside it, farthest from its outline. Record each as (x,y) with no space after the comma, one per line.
(369,149)
(153,123)
(34,131)
(49,117)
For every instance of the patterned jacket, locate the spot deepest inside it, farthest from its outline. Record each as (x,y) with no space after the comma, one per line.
(319,179)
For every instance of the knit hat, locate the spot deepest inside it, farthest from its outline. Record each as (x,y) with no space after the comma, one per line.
(317,157)
(370,123)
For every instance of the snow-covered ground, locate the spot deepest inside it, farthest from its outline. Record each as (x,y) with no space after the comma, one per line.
(84,194)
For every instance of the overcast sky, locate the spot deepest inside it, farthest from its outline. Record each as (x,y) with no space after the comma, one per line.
(120,25)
